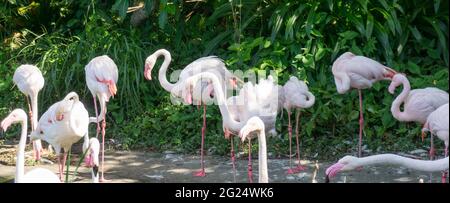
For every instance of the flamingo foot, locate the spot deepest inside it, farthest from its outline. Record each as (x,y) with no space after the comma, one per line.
(103,180)
(200,173)
(295,170)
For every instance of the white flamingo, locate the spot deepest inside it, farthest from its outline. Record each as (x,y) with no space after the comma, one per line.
(256,125)
(296,95)
(62,125)
(351,71)
(101,78)
(349,163)
(203,93)
(38,175)
(418,103)
(30,81)
(91,160)
(257,100)
(437,123)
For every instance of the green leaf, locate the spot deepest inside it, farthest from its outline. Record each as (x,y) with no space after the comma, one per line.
(162,19)
(369,26)
(415,33)
(121,6)
(413,68)
(437,3)
(348,35)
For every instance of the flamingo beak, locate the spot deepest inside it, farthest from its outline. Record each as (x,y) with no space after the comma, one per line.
(147,72)
(327,179)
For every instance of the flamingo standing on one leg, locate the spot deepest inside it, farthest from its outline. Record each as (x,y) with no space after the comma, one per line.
(210,64)
(296,95)
(30,81)
(418,103)
(257,100)
(38,175)
(62,125)
(437,123)
(256,125)
(101,79)
(351,71)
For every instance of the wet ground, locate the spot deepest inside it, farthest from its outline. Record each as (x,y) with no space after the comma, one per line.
(134,167)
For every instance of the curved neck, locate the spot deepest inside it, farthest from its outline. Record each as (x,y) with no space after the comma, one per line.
(262,157)
(311,99)
(75,129)
(163,70)
(420,165)
(20,171)
(342,82)
(223,107)
(395,108)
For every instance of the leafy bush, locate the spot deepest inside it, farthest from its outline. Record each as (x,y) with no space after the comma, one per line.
(300,38)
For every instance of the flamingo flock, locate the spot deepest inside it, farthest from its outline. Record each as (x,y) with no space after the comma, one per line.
(251,113)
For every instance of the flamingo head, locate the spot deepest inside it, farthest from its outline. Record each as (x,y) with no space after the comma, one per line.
(91,159)
(17,115)
(66,105)
(397,80)
(189,86)
(254,124)
(347,163)
(149,64)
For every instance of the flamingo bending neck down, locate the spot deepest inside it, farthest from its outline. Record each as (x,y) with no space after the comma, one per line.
(256,125)
(260,100)
(91,160)
(38,175)
(210,64)
(62,125)
(30,81)
(351,71)
(295,95)
(349,163)
(101,78)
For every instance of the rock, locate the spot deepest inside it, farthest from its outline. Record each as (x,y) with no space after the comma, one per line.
(418,152)
(157,177)
(290,177)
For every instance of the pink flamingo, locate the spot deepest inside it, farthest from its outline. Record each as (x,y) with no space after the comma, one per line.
(349,163)
(62,125)
(257,100)
(91,160)
(296,95)
(351,71)
(437,123)
(101,79)
(418,103)
(30,81)
(38,175)
(210,64)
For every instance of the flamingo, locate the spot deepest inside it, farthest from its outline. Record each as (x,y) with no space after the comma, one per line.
(348,163)
(418,103)
(210,64)
(101,79)
(296,95)
(30,81)
(62,125)
(38,175)
(91,160)
(351,71)
(437,123)
(256,100)
(256,125)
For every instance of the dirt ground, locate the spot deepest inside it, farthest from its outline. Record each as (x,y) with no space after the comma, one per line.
(168,167)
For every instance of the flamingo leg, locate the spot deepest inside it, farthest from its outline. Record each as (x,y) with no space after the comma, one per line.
(361,122)
(290,171)
(202,173)
(233,158)
(96,115)
(250,169)
(60,168)
(299,166)
(61,174)
(444,173)
(102,179)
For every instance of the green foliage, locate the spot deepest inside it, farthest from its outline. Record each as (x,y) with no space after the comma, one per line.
(300,38)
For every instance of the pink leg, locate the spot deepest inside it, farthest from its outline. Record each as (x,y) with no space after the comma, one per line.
(96,115)
(233,159)
(202,173)
(361,122)
(61,175)
(102,179)
(250,169)
(444,173)
(60,168)
(290,171)
(299,166)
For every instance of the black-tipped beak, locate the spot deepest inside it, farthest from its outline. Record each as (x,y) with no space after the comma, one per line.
(95,169)
(327,179)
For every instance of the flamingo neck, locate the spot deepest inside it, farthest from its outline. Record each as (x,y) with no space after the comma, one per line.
(342,82)
(311,99)
(163,70)
(20,171)
(395,108)
(72,121)
(262,157)
(420,165)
